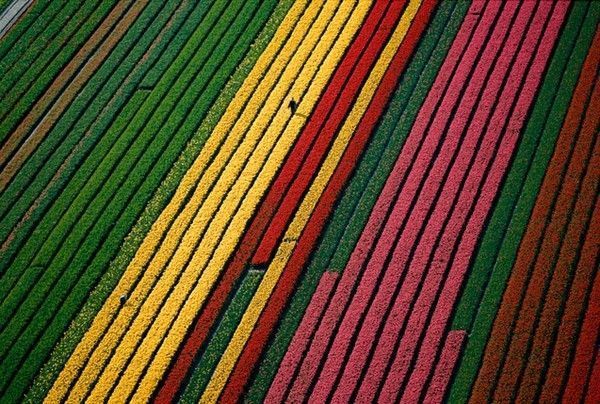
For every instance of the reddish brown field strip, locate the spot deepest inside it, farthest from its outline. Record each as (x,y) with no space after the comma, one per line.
(371,201)
(31,131)
(585,274)
(547,223)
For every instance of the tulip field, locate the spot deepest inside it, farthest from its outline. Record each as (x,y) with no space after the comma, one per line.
(345,201)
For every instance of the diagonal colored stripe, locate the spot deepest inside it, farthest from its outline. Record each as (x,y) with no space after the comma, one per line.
(296,175)
(344,289)
(443,371)
(128,336)
(249,354)
(251,236)
(555,377)
(371,174)
(279,387)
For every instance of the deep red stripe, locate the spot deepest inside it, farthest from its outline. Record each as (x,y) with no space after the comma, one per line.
(593,388)
(209,314)
(586,345)
(301,254)
(583,283)
(301,166)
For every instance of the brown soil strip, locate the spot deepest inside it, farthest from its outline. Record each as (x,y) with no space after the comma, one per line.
(70,92)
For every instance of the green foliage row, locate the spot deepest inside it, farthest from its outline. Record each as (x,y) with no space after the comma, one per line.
(34,71)
(352,212)
(111,86)
(84,123)
(485,285)
(17,40)
(13,41)
(156,14)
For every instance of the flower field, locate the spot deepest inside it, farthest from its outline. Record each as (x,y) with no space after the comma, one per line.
(300,201)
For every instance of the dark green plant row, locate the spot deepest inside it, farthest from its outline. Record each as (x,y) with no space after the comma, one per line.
(13,41)
(352,212)
(108,87)
(18,39)
(157,135)
(128,246)
(141,26)
(32,66)
(497,252)
(86,208)
(86,121)
(142,142)
(34,71)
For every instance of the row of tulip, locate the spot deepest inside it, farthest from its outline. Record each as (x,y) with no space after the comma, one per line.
(24,293)
(351,213)
(101,196)
(26,78)
(43,112)
(305,210)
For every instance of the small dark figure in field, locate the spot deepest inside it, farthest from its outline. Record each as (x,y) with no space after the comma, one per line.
(293,105)
(122,299)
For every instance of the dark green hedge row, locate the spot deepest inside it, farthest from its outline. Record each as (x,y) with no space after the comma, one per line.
(157,14)
(207,362)
(29,77)
(15,40)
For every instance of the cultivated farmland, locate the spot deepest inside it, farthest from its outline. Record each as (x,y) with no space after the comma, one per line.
(300,201)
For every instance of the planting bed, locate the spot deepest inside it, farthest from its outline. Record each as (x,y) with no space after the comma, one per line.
(300,201)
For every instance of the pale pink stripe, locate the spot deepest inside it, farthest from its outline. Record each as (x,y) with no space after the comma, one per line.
(432,339)
(352,271)
(445,367)
(468,244)
(301,338)
(417,220)
(376,264)
(384,349)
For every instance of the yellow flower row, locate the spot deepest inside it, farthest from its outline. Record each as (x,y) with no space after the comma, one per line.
(140,262)
(301,217)
(126,348)
(251,197)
